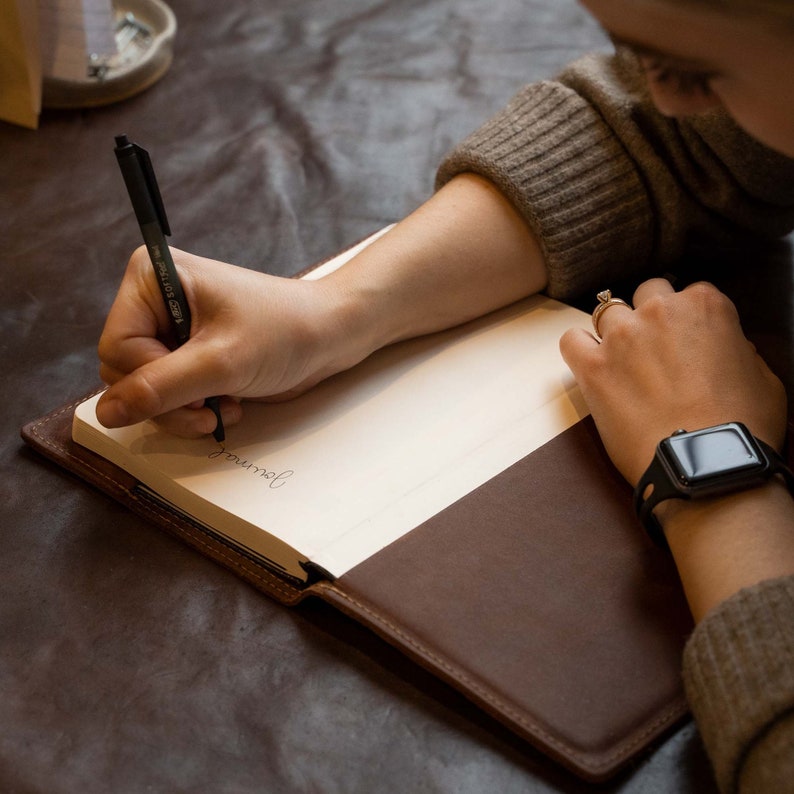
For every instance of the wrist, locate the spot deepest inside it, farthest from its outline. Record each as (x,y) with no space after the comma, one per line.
(377,299)
(462,254)
(724,543)
(680,519)
(346,326)
(696,465)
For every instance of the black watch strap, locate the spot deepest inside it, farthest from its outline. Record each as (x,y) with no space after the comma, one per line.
(662,479)
(657,477)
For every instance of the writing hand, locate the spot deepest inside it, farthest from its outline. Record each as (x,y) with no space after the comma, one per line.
(463,253)
(253,336)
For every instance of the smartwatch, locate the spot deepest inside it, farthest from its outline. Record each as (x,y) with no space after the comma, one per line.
(702,463)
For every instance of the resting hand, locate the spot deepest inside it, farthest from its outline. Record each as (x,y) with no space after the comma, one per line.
(252,336)
(678,360)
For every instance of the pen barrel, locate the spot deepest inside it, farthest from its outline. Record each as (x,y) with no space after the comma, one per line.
(167,280)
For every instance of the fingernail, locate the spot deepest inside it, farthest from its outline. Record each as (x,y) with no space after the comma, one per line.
(112,413)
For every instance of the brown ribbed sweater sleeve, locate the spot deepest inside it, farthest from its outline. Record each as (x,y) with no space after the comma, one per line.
(739,676)
(613,189)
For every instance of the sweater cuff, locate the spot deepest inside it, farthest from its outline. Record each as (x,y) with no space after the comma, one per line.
(551,154)
(738,673)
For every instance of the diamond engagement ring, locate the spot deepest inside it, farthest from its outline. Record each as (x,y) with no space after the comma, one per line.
(605,300)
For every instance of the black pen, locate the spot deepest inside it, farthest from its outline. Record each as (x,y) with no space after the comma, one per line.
(136,168)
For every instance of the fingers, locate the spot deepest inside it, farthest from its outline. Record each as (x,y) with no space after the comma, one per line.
(652,288)
(604,313)
(146,379)
(135,324)
(162,385)
(580,348)
(119,357)
(196,420)
(612,313)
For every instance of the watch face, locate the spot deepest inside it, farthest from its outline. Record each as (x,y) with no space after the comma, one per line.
(718,451)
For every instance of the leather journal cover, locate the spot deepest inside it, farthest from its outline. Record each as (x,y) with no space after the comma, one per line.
(536,595)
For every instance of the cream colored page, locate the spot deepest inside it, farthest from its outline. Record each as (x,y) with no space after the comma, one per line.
(366,456)
(471,410)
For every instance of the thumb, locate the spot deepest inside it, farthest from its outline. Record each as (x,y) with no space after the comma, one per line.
(171,381)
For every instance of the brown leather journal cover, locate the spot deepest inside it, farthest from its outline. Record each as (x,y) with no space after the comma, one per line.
(536,595)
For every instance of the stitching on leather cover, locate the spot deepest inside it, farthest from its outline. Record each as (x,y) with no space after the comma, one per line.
(670,714)
(269,580)
(195,535)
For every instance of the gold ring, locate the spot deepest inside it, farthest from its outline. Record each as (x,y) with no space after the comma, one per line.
(605,300)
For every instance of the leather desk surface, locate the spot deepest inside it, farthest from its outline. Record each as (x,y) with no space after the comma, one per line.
(283,132)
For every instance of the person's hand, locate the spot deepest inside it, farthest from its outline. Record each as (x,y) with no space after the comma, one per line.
(678,360)
(252,336)
(463,253)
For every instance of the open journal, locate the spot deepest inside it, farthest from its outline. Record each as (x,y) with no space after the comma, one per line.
(451,494)
(316,485)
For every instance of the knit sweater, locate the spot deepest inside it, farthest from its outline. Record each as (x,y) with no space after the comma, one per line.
(614,190)
(611,188)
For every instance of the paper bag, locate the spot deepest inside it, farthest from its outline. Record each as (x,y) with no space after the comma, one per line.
(20,63)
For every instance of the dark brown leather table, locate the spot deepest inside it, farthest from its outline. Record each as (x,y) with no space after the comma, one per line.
(128,663)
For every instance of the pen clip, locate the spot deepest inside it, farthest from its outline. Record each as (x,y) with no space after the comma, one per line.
(126,148)
(154,190)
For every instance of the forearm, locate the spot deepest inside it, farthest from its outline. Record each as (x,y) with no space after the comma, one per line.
(463,253)
(725,544)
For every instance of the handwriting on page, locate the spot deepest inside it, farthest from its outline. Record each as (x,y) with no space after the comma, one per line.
(272,478)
